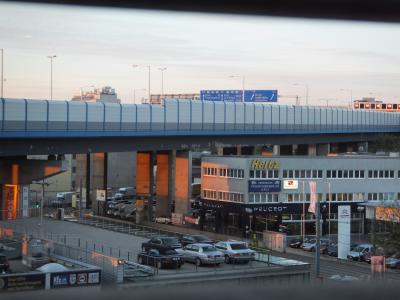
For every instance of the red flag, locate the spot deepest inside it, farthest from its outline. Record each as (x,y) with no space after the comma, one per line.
(313,197)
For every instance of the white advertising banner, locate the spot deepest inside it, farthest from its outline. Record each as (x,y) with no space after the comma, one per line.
(344,221)
(101,195)
(25,201)
(290,184)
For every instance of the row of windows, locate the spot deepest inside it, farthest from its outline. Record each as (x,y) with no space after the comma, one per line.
(223,196)
(224,172)
(302,174)
(345,174)
(381,174)
(263,198)
(268,174)
(383,196)
(231,173)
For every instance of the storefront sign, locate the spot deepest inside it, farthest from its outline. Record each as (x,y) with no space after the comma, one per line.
(101,195)
(264,186)
(344,215)
(22,282)
(290,184)
(74,278)
(260,164)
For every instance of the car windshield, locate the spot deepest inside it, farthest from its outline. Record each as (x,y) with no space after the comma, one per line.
(170,241)
(358,249)
(238,246)
(311,241)
(200,238)
(209,249)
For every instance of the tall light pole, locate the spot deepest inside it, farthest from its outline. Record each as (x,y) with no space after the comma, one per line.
(306,86)
(149,68)
(243,83)
(51,57)
(2,72)
(134,94)
(162,80)
(351,95)
(82,87)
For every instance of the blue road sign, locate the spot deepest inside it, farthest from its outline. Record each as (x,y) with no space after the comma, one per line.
(237,95)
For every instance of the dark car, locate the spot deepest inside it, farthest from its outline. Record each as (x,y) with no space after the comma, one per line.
(192,239)
(162,242)
(161,258)
(4,264)
(333,250)
(296,243)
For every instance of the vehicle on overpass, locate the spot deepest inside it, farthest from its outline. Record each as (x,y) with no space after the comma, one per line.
(161,258)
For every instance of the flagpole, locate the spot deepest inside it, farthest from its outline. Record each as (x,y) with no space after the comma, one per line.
(303,223)
(317,233)
(329,211)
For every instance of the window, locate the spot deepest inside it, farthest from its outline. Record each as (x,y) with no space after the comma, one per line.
(276,173)
(345,174)
(333,173)
(351,174)
(296,174)
(315,174)
(303,174)
(285,174)
(340,174)
(357,174)
(362,174)
(308,174)
(291,174)
(328,174)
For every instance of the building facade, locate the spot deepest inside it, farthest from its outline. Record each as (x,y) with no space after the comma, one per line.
(271,192)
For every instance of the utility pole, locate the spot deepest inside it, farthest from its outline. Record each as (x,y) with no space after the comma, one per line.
(51,57)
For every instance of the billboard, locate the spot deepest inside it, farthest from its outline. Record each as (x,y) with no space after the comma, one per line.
(237,95)
(290,184)
(264,186)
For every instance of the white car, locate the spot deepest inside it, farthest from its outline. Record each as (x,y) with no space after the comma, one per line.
(201,254)
(236,251)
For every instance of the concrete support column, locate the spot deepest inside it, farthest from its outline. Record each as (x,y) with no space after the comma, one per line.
(276,150)
(171,178)
(143,162)
(151,187)
(88,181)
(162,188)
(323,149)
(362,147)
(239,150)
(220,151)
(312,150)
(183,178)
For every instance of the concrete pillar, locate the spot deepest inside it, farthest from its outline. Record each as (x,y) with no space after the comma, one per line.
(88,181)
(239,150)
(162,188)
(220,151)
(183,176)
(362,147)
(323,149)
(171,178)
(312,150)
(151,187)
(276,150)
(143,162)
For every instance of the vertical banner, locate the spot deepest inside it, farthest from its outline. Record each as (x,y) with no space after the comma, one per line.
(344,215)
(313,197)
(25,201)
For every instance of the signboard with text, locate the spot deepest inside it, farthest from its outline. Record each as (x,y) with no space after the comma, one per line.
(290,184)
(264,186)
(344,217)
(75,278)
(22,282)
(237,95)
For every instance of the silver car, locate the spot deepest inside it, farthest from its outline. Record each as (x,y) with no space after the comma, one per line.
(235,251)
(201,254)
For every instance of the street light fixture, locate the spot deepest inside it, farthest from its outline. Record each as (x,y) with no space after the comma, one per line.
(51,57)
(134,94)
(304,85)
(162,80)
(243,81)
(149,67)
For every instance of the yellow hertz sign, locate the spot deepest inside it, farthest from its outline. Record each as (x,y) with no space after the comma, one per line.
(258,164)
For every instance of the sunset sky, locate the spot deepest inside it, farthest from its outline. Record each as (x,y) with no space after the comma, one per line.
(98,46)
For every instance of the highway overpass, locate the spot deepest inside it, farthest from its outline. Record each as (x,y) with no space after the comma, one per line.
(29,127)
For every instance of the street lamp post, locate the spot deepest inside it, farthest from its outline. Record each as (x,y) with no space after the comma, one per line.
(134,94)
(51,57)
(306,86)
(243,83)
(2,72)
(149,79)
(162,81)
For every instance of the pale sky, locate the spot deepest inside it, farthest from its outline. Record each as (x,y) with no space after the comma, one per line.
(98,46)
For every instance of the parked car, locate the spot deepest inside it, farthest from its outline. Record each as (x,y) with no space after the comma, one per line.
(4,264)
(161,258)
(359,252)
(296,243)
(191,239)
(128,210)
(393,261)
(311,244)
(201,254)
(333,250)
(162,242)
(236,251)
